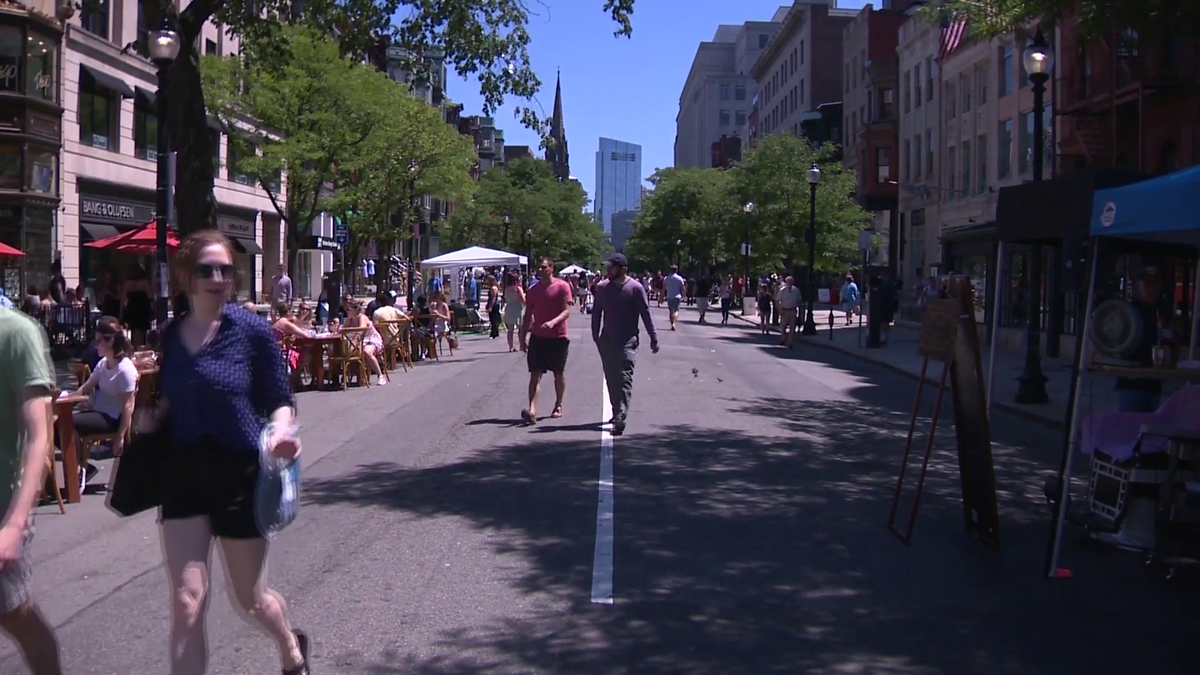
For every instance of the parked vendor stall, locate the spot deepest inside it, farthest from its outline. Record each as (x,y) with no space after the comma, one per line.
(1144,464)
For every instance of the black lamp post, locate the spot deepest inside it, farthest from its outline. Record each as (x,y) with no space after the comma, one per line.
(814,178)
(528,256)
(749,209)
(506,226)
(1031,383)
(164,48)
(413,169)
(678,252)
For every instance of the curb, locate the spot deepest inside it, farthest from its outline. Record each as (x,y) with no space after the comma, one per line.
(1056,425)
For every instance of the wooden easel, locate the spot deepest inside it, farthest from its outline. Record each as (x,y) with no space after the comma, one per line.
(949,335)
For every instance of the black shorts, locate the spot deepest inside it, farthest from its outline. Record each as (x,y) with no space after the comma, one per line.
(547,355)
(216,482)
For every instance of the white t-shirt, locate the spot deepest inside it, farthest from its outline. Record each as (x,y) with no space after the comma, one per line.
(673,285)
(111,384)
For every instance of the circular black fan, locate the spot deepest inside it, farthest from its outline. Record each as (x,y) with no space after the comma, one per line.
(1117,328)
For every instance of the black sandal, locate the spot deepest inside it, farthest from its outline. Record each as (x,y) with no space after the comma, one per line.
(302,643)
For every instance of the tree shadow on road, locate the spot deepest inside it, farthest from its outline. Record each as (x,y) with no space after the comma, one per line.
(766,552)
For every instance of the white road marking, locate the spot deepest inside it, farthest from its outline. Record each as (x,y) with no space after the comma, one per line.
(602,562)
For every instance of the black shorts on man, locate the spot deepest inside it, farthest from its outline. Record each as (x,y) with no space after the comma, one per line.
(547,355)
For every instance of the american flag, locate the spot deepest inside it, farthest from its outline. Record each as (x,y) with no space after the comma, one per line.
(954,29)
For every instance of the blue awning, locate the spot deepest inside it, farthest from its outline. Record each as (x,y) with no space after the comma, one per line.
(1166,208)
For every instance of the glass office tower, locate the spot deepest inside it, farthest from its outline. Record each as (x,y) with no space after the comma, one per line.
(618,180)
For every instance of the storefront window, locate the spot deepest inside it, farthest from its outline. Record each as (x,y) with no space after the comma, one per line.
(1014,298)
(976,267)
(145,129)
(10,167)
(41,67)
(43,167)
(39,246)
(10,58)
(10,267)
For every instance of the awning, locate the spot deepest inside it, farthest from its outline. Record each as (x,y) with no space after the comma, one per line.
(96,231)
(214,123)
(1052,210)
(147,95)
(968,232)
(246,246)
(110,82)
(1159,209)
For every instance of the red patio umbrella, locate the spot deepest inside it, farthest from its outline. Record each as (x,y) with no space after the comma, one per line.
(142,241)
(5,249)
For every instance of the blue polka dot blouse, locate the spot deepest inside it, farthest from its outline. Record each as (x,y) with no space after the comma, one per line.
(224,393)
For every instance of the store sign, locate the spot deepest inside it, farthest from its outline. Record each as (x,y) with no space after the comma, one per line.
(318,243)
(236,228)
(115,211)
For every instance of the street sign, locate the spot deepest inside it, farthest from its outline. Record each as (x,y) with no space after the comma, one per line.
(341,232)
(313,242)
(865,241)
(745,249)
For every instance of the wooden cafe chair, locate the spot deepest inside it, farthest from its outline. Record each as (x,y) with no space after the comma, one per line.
(395,350)
(351,355)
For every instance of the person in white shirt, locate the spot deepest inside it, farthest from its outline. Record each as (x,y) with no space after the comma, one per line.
(673,289)
(789,300)
(112,385)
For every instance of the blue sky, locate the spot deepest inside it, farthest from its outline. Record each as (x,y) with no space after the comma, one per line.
(627,89)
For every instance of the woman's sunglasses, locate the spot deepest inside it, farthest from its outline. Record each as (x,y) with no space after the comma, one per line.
(210,271)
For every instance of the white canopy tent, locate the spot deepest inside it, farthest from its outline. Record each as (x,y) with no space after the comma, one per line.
(475,256)
(571,269)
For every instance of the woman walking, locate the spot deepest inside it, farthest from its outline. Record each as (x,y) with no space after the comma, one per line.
(514,306)
(493,306)
(223,383)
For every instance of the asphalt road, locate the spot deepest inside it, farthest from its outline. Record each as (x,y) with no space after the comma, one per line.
(751,494)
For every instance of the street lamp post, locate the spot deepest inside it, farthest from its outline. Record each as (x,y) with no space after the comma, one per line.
(1031,383)
(749,209)
(506,225)
(164,48)
(414,228)
(814,178)
(528,256)
(678,252)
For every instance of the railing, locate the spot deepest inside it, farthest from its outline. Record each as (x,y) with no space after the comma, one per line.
(69,328)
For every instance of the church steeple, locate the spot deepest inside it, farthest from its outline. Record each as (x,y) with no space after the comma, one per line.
(556,148)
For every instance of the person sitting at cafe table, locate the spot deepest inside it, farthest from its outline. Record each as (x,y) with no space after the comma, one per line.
(285,326)
(386,311)
(112,385)
(91,354)
(372,340)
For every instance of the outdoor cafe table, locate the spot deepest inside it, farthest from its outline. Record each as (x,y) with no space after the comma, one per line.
(313,348)
(64,413)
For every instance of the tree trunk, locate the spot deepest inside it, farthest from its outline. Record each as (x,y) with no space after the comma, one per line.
(187,118)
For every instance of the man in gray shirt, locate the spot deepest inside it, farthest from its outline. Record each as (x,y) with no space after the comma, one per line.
(620,301)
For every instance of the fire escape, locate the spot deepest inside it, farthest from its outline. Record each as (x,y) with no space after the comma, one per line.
(1106,91)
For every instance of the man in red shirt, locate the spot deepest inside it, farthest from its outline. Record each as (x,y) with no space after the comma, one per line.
(547,307)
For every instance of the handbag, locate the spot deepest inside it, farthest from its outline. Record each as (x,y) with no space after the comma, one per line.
(139,473)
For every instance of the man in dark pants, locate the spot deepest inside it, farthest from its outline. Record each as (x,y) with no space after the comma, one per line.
(620,302)
(1144,395)
(547,308)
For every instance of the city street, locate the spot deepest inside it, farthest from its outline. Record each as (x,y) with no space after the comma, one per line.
(752,490)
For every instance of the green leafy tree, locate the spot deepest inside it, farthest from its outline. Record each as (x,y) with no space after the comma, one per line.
(322,109)
(1095,19)
(773,177)
(688,216)
(411,153)
(486,39)
(700,214)
(523,208)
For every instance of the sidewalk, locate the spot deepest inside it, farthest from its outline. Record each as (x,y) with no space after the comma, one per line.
(901,356)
